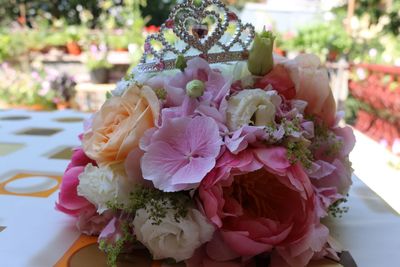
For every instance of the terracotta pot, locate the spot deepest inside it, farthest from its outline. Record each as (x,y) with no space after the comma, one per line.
(333,55)
(45,50)
(280,52)
(73,48)
(36,107)
(63,105)
(121,49)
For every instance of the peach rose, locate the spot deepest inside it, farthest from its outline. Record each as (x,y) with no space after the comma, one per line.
(312,85)
(120,123)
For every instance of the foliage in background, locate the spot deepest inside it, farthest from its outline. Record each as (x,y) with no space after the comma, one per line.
(373,37)
(377,10)
(88,12)
(97,57)
(41,87)
(22,88)
(156,12)
(374,30)
(120,25)
(321,39)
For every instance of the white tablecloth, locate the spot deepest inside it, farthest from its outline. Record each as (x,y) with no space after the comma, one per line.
(37,236)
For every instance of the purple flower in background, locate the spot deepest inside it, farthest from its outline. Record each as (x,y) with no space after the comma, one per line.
(36,76)
(93,49)
(51,73)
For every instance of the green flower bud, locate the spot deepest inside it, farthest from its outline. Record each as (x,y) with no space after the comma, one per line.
(261,59)
(180,63)
(195,88)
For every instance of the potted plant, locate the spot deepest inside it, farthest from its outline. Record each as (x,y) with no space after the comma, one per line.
(73,37)
(98,64)
(118,42)
(56,39)
(63,87)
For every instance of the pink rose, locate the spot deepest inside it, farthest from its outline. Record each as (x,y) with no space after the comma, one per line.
(89,222)
(68,200)
(260,203)
(312,85)
(280,81)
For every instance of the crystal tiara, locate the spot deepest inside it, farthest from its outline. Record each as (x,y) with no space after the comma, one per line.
(209,30)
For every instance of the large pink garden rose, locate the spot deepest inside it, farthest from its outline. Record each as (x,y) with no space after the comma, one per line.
(262,203)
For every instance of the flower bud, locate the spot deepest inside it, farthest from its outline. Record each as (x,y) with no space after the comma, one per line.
(261,59)
(181,63)
(195,88)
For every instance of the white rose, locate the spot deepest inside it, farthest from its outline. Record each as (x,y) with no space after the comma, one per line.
(100,185)
(172,239)
(252,104)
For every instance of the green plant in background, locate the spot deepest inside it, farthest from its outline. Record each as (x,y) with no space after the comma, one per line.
(12,45)
(118,41)
(377,10)
(157,11)
(34,39)
(323,39)
(56,39)
(97,57)
(93,64)
(21,88)
(374,31)
(75,33)
(352,106)
(5,44)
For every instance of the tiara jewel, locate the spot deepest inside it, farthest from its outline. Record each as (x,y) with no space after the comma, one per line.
(209,30)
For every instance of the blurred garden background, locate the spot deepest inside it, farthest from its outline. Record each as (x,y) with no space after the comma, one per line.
(68,54)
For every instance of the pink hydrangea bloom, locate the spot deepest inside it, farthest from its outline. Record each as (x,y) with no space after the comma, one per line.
(216,85)
(181,153)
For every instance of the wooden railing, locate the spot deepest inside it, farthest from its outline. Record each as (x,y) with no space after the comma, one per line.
(378,89)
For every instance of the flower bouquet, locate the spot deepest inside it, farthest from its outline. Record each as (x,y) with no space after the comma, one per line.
(226,158)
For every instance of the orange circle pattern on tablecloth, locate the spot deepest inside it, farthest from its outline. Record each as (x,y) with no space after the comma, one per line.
(36,185)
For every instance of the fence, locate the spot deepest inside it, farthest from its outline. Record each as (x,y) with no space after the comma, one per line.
(377,88)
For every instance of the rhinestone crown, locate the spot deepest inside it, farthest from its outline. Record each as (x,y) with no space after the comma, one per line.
(209,30)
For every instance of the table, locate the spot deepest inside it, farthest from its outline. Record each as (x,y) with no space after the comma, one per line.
(33,155)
